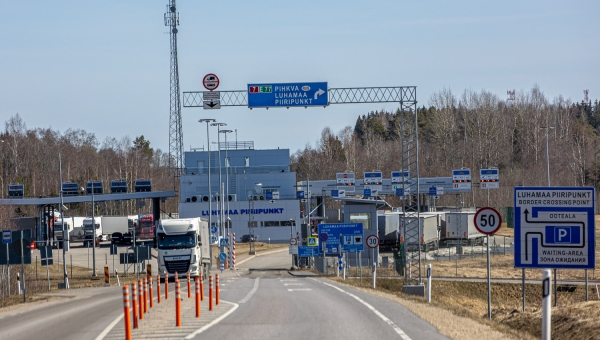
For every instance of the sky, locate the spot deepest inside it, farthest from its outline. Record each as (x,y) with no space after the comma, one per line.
(103,66)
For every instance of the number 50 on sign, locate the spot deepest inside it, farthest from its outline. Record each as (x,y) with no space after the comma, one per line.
(487,220)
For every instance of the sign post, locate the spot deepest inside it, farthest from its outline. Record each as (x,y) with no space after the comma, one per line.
(546,304)
(373,242)
(7,239)
(488,221)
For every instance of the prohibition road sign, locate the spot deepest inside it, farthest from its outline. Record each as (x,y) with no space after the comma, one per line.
(210,81)
(293,241)
(487,220)
(372,241)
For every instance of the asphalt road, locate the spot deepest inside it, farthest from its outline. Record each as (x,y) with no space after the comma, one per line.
(276,305)
(80,314)
(271,304)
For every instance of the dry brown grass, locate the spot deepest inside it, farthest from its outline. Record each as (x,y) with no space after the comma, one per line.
(572,319)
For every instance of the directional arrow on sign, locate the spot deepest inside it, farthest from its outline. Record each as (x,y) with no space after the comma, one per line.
(318,93)
(582,245)
(213,104)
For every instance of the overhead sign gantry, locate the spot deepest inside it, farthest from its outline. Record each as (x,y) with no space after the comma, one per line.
(405,96)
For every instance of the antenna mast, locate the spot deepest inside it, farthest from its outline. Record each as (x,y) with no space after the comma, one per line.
(175,131)
(511,94)
(586,99)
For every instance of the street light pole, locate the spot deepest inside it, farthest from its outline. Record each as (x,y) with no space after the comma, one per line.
(225,132)
(547,152)
(221,230)
(94,230)
(65,233)
(218,125)
(207,121)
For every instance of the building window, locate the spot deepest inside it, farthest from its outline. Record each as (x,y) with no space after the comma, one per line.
(364,218)
(269,223)
(246,161)
(227,162)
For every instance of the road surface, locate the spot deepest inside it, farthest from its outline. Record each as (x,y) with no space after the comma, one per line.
(264,301)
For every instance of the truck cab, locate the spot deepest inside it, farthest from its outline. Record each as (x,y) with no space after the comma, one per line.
(61,226)
(183,246)
(89,231)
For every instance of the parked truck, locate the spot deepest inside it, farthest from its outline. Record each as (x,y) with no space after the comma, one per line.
(389,228)
(106,226)
(183,245)
(460,228)
(430,226)
(146,224)
(73,225)
(116,228)
(88,230)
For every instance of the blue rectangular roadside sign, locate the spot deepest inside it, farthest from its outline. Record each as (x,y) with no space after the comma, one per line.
(287,95)
(306,251)
(352,237)
(6,236)
(555,227)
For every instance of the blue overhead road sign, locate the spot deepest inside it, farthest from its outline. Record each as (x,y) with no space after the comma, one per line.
(555,227)
(287,95)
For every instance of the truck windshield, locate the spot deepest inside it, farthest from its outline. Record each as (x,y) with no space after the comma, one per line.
(176,241)
(89,226)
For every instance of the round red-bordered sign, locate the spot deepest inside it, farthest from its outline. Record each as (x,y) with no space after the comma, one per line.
(487,220)
(372,241)
(210,81)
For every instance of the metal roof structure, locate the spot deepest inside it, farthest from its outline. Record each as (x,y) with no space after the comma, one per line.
(87,198)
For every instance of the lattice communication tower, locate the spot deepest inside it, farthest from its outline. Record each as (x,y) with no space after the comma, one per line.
(175,130)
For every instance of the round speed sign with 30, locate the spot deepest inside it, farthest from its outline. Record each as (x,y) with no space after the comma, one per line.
(487,220)
(372,241)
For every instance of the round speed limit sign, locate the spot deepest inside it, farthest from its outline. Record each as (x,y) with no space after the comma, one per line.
(487,220)
(372,241)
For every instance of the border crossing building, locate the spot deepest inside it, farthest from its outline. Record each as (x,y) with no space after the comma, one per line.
(258,187)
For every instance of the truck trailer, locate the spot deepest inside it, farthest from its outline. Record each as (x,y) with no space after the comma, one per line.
(389,228)
(460,226)
(429,236)
(183,245)
(73,225)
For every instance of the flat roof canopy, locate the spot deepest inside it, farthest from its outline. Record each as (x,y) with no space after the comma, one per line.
(88,198)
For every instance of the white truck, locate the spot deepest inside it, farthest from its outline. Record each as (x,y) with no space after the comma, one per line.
(431,224)
(460,226)
(105,227)
(116,229)
(183,245)
(73,225)
(88,231)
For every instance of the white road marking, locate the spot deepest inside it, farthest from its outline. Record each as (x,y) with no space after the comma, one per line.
(293,284)
(298,289)
(250,293)
(215,321)
(287,280)
(108,329)
(378,313)
(112,324)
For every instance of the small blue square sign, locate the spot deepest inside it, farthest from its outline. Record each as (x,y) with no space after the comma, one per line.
(6,236)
